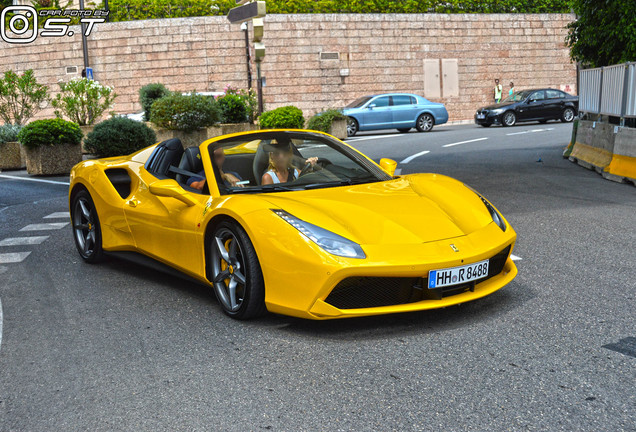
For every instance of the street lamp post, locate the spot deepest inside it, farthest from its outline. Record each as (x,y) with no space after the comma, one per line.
(247,54)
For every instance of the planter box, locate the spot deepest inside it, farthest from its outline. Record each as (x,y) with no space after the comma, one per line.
(86,130)
(51,160)
(188,139)
(10,156)
(339,129)
(230,128)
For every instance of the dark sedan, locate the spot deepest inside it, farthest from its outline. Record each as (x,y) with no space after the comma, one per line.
(530,105)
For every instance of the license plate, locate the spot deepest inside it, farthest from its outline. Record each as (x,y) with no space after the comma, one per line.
(457,275)
(481,116)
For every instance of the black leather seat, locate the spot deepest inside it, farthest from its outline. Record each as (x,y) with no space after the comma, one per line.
(190,161)
(166,154)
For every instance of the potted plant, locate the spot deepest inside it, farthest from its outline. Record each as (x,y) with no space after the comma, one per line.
(237,110)
(83,101)
(52,146)
(11,156)
(119,136)
(287,117)
(332,121)
(185,117)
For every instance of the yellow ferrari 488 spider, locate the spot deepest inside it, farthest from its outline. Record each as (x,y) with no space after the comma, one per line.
(294,222)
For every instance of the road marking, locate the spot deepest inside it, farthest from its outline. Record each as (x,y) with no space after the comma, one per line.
(530,131)
(57,215)
(518,133)
(45,226)
(374,137)
(464,142)
(33,179)
(515,257)
(410,158)
(13,257)
(23,241)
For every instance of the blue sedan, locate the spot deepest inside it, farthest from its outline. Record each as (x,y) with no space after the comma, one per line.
(401,111)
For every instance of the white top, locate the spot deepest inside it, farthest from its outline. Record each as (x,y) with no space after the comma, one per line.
(275,178)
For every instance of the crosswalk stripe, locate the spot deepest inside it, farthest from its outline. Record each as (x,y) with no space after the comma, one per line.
(45,226)
(23,241)
(57,215)
(13,257)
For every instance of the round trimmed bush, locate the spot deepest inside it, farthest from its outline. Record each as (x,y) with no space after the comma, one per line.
(322,121)
(184,112)
(148,94)
(50,132)
(9,133)
(288,117)
(119,136)
(232,109)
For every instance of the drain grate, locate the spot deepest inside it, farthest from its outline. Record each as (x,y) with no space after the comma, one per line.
(625,346)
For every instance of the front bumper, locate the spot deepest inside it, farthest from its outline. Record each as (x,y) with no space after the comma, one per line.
(306,289)
(488,119)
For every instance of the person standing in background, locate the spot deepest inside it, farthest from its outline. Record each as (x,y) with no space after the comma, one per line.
(512,89)
(498,91)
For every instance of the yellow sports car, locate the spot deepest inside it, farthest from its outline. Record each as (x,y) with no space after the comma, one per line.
(294,222)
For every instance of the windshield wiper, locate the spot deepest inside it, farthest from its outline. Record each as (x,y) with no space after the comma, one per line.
(266,188)
(347,182)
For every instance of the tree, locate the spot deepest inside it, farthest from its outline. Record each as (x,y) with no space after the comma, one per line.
(604,33)
(20,97)
(83,101)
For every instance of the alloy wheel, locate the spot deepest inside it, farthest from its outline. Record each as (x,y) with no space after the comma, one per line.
(228,269)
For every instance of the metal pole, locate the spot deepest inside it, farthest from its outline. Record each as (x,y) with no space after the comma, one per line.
(248,57)
(84,46)
(108,10)
(259,86)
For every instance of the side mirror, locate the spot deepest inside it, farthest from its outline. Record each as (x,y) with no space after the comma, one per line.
(372,106)
(170,188)
(388,165)
(531,100)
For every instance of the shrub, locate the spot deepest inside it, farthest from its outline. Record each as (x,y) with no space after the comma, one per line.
(50,132)
(249,99)
(150,93)
(119,136)
(288,117)
(9,133)
(184,112)
(322,121)
(232,109)
(20,96)
(83,101)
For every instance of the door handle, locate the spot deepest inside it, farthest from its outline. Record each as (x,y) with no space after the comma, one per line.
(132,202)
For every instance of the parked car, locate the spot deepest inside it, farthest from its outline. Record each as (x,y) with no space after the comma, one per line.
(401,111)
(530,105)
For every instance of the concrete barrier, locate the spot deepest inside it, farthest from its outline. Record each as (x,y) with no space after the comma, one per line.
(594,145)
(623,165)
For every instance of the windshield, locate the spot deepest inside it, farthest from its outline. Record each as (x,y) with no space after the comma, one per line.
(359,102)
(517,96)
(288,161)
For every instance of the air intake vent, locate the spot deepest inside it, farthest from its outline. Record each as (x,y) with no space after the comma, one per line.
(329,56)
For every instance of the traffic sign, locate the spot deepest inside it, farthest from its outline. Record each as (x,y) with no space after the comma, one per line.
(246,12)
(89,73)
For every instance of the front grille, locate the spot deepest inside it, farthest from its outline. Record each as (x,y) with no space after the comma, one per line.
(366,292)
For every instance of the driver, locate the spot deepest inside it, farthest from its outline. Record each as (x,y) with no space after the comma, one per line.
(281,169)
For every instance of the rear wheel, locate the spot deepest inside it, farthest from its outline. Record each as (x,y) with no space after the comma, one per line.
(425,123)
(509,118)
(404,130)
(567,115)
(236,272)
(86,227)
(352,126)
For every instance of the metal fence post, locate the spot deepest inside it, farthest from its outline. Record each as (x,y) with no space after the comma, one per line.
(625,89)
(600,95)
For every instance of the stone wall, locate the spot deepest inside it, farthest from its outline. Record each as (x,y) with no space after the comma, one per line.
(383,53)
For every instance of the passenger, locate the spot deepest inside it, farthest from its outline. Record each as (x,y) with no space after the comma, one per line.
(229,178)
(281,169)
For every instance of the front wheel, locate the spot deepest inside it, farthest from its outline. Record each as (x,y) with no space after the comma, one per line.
(352,126)
(425,123)
(509,119)
(236,272)
(86,227)
(567,115)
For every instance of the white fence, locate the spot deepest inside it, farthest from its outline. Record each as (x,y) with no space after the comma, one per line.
(609,90)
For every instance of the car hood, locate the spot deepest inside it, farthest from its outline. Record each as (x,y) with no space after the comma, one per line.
(498,105)
(413,209)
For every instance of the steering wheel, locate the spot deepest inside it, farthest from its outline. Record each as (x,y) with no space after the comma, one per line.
(305,169)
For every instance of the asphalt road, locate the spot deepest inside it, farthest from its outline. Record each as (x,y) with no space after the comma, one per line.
(120,346)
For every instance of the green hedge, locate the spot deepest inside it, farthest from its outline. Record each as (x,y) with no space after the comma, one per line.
(184,112)
(322,121)
(119,136)
(50,132)
(146,9)
(288,117)
(232,109)
(148,94)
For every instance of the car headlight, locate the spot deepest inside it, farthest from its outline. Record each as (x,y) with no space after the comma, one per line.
(496,216)
(330,242)
(498,110)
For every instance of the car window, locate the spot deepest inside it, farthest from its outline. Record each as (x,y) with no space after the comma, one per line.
(358,102)
(554,94)
(381,101)
(402,100)
(538,95)
(413,100)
